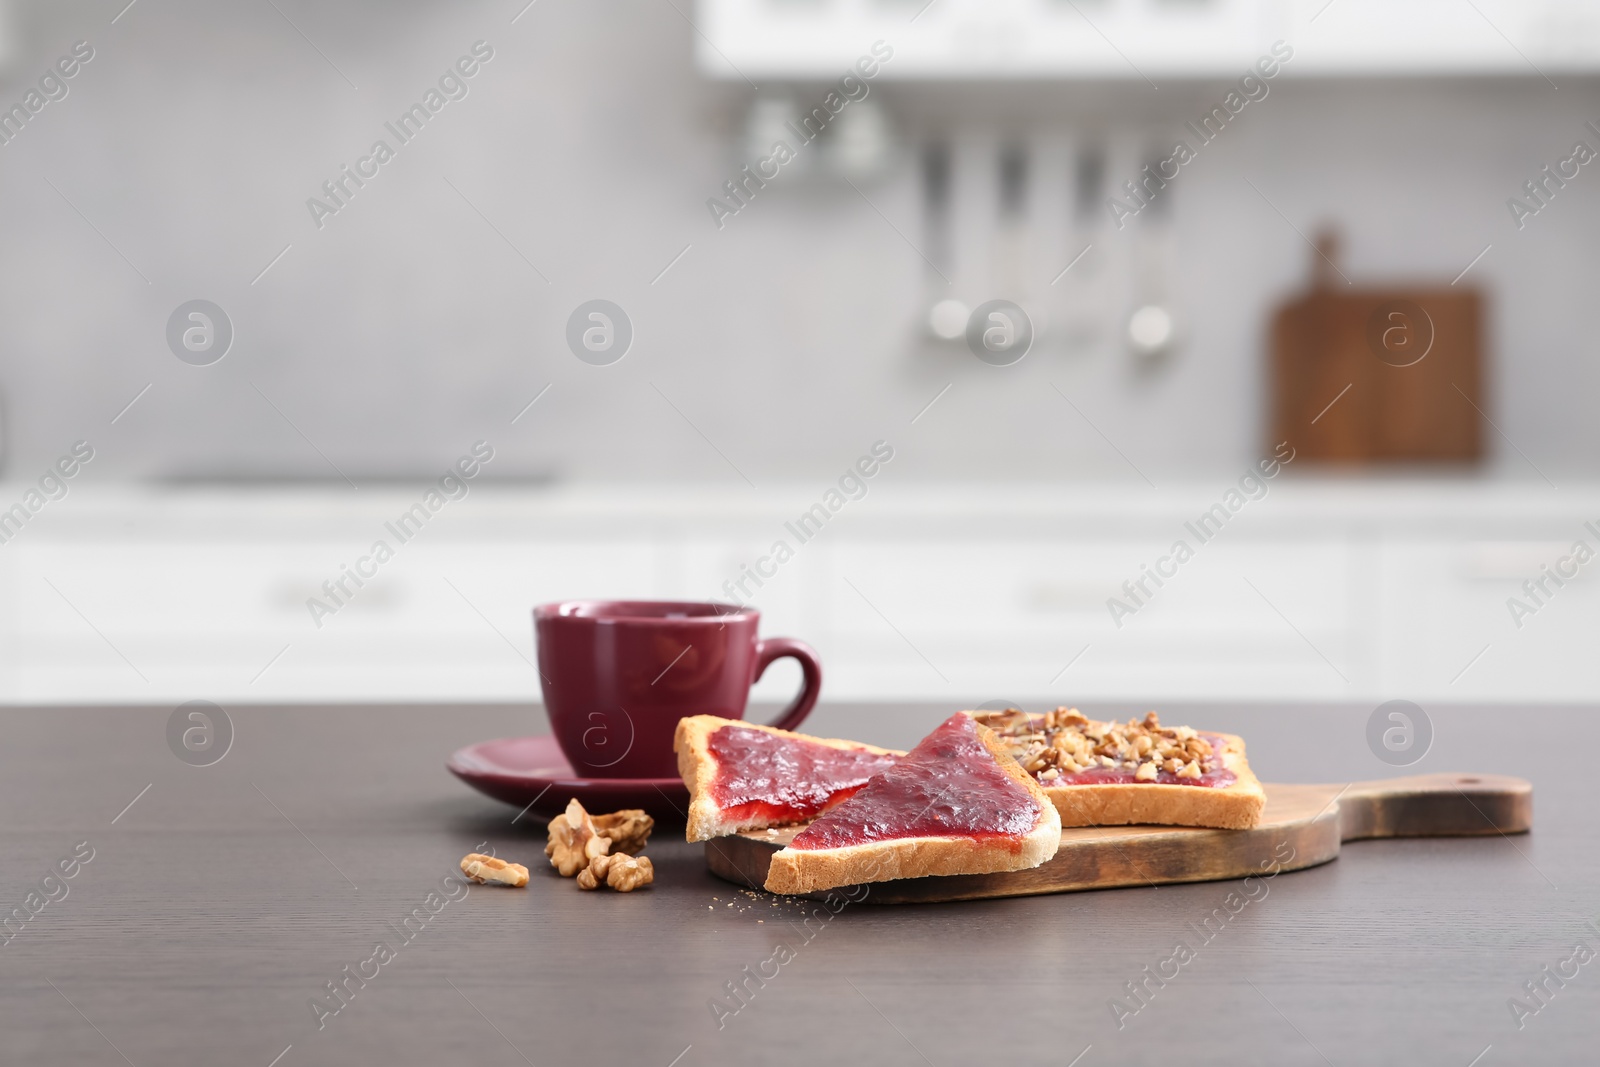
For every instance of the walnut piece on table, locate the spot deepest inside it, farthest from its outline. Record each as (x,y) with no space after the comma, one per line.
(578,840)
(574,841)
(629,829)
(488,869)
(620,871)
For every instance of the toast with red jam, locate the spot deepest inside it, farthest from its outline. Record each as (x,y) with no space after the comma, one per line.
(744,776)
(957,803)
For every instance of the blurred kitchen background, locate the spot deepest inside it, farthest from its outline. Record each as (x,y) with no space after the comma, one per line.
(1251,302)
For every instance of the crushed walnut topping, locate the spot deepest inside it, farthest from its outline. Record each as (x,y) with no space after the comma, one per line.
(1065,742)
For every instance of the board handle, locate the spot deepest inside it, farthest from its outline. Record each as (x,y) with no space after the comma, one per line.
(1436,805)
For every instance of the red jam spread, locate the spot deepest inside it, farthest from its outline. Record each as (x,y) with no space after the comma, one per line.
(1212,773)
(950,785)
(775,778)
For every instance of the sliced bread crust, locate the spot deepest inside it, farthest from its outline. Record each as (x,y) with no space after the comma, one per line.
(698,768)
(809,870)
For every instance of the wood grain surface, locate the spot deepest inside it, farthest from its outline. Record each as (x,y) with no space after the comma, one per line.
(1406,364)
(1302,826)
(222,900)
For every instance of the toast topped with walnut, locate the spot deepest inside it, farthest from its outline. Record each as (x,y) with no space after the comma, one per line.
(958,803)
(744,776)
(1111,774)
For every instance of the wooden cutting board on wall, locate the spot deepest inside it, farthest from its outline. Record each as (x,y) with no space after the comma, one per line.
(1374,376)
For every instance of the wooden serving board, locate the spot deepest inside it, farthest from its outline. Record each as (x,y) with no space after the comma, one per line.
(1303,826)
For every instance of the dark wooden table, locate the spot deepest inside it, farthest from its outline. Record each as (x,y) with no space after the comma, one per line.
(218,905)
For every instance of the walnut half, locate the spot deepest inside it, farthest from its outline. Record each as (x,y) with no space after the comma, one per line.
(574,841)
(629,829)
(621,872)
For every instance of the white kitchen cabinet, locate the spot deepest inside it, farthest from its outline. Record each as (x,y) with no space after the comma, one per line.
(983,610)
(145,620)
(952,595)
(1446,628)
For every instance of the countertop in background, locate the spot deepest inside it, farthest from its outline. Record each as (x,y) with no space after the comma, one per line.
(1304,589)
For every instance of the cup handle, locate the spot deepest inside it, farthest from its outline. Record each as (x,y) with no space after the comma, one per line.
(775,648)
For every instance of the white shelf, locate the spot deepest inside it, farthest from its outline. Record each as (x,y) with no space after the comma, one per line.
(1145,39)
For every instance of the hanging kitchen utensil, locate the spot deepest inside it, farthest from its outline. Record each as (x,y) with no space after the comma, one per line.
(1081,297)
(1152,328)
(946,316)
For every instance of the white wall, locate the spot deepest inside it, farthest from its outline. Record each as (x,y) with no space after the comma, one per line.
(408,327)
